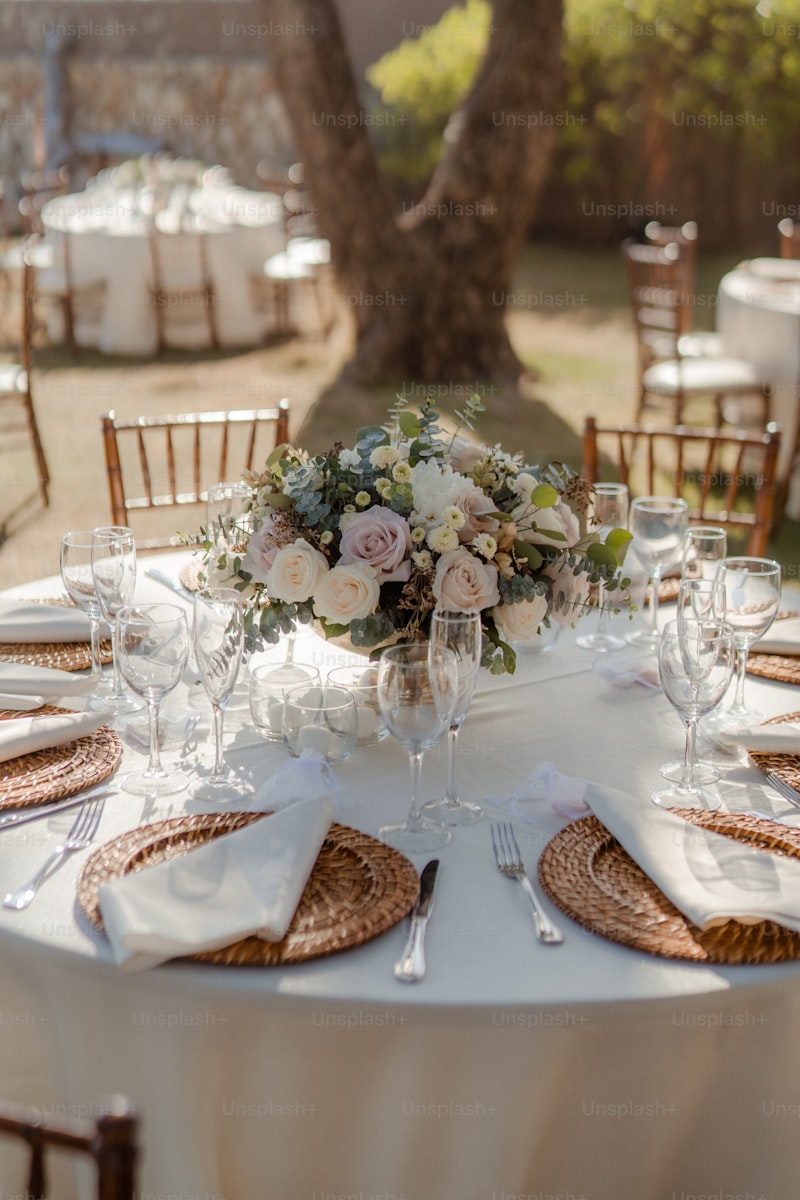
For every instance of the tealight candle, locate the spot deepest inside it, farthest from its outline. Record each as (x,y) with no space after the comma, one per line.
(314,737)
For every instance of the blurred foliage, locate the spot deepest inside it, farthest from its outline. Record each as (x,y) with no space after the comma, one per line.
(420,84)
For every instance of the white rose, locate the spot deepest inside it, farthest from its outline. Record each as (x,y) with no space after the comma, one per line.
(520,622)
(347,593)
(296,572)
(560,518)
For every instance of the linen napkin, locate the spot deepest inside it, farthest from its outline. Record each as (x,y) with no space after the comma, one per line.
(771,739)
(26,621)
(709,877)
(546,786)
(19,679)
(783,637)
(245,883)
(23,735)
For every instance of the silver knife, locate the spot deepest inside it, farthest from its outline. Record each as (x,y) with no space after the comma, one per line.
(33,814)
(410,967)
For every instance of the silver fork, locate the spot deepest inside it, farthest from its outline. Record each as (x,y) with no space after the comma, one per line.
(84,827)
(785,789)
(509,862)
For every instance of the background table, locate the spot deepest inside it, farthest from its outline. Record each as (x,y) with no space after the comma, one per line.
(514,1069)
(758,316)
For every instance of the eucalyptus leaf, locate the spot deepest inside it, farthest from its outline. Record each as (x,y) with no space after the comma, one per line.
(544,495)
(618,541)
(534,557)
(408,423)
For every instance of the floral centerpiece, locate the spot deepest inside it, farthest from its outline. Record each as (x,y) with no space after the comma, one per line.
(367,541)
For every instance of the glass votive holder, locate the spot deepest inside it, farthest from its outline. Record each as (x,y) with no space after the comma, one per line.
(322,718)
(362,682)
(268,686)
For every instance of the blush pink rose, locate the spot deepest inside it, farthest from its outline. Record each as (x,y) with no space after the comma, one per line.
(379,538)
(261,551)
(570,593)
(463,583)
(476,507)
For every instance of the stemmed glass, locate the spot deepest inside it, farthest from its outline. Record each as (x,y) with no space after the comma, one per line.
(113,558)
(658,525)
(153,650)
(218,643)
(76,575)
(704,547)
(695,663)
(462,633)
(752,596)
(610,512)
(417,694)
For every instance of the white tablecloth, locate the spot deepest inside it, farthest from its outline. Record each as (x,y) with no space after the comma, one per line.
(759,318)
(108,242)
(587,1070)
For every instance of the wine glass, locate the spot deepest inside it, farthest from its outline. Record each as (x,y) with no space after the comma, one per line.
(418,693)
(153,650)
(113,558)
(227,518)
(752,596)
(462,633)
(704,547)
(218,644)
(76,575)
(695,664)
(658,525)
(610,512)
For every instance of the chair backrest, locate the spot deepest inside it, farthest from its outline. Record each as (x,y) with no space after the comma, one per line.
(728,478)
(658,299)
(165,462)
(685,238)
(111,1141)
(789,233)
(182,289)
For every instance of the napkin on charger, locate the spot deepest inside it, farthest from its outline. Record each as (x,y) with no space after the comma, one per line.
(239,885)
(22,679)
(783,637)
(710,878)
(27,621)
(770,739)
(23,735)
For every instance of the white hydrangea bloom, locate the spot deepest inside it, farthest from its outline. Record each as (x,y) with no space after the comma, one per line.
(435,487)
(349,460)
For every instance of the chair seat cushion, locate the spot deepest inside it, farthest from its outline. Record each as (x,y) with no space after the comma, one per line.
(701,345)
(13,380)
(282,267)
(701,375)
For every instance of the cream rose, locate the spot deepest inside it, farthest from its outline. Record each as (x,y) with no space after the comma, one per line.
(296,572)
(559,518)
(347,593)
(261,551)
(463,583)
(570,593)
(380,538)
(520,622)
(476,507)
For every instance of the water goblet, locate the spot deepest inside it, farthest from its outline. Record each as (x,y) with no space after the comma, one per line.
(610,512)
(218,639)
(462,633)
(704,547)
(752,597)
(76,575)
(658,525)
(320,717)
(113,557)
(418,693)
(153,650)
(695,664)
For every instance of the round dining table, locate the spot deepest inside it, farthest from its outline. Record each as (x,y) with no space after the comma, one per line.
(589,1070)
(758,317)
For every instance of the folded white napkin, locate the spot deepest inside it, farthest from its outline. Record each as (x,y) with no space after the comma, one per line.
(26,621)
(783,637)
(710,878)
(771,739)
(19,679)
(20,703)
(245,883)
(302,778)
(23,735)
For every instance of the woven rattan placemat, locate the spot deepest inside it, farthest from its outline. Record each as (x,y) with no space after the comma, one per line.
(586,872)
(785,766)
(358,888)
(59,771)
(63,656)
(774,666)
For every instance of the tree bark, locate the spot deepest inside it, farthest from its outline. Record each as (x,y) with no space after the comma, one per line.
(427,287)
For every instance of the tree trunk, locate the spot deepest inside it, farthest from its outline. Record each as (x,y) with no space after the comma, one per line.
(427,288)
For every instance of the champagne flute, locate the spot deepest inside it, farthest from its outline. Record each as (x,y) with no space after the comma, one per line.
(752,597)
(218,644)
(76,575)
(462,633)
(658,525)
(153,650)
(704,547)
(114,575)
(610,512)
(417,693)
(695,664)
